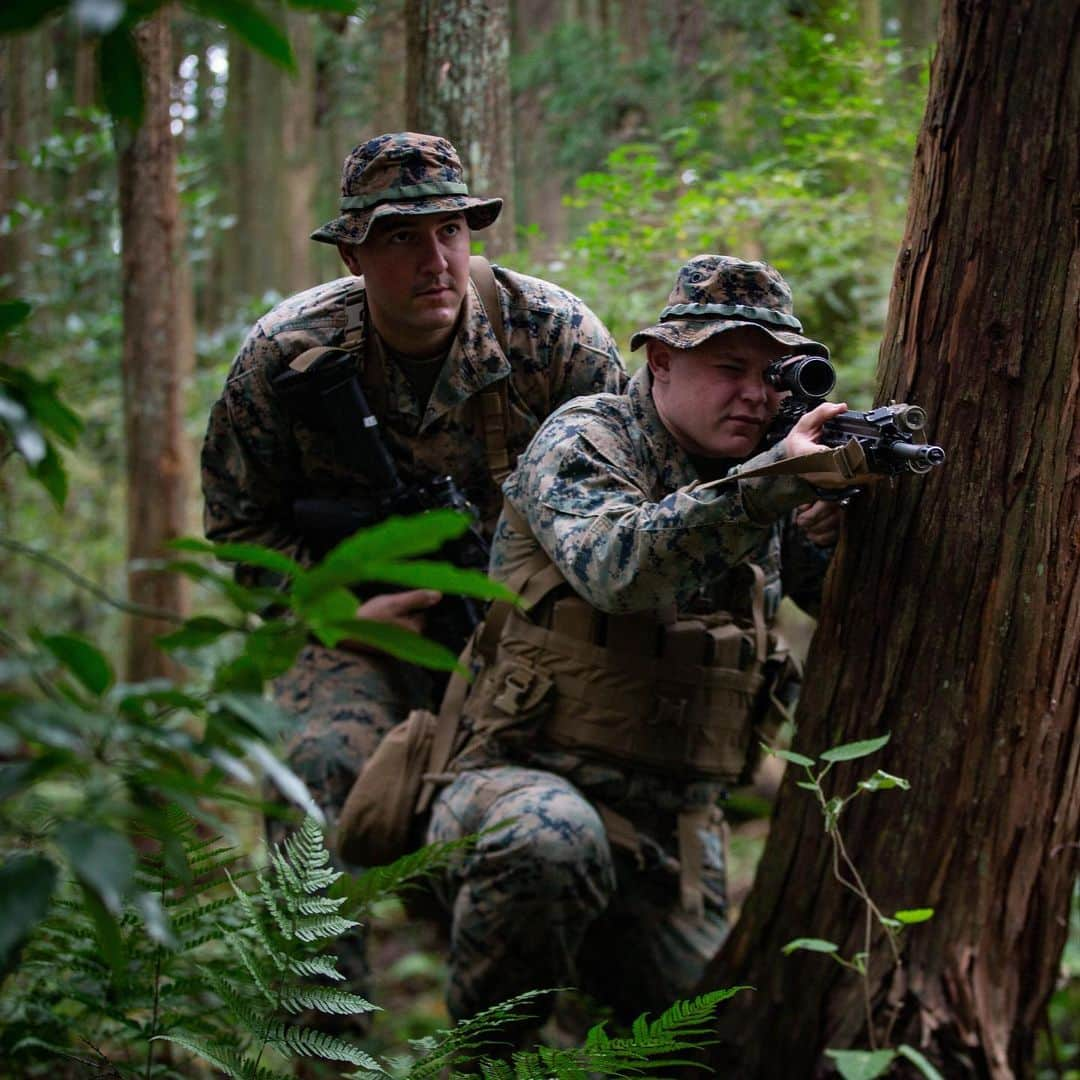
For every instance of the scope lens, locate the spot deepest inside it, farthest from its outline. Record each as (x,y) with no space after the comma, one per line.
(913,418)
(814,376)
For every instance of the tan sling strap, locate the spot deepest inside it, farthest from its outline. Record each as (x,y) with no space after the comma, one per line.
(847,462)
(446,727)
(493,400)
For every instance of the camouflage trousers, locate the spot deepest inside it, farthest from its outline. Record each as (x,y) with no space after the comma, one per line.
(344,703)
(547,901)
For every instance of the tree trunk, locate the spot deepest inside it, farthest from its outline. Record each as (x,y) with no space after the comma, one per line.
(458,85)
(952,614)
(301,167)
(157,349)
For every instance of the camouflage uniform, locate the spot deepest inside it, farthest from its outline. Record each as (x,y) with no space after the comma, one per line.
(256,460)
(623,513)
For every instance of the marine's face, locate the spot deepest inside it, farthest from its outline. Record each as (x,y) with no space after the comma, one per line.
(416,272)
(714,399)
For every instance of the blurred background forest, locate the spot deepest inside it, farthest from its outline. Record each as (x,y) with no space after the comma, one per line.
(641,134)
(636,135)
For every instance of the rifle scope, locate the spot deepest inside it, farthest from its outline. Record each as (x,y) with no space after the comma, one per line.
(810,378)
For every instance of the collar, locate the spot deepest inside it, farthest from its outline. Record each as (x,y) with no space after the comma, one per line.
(673,465)
(474,362)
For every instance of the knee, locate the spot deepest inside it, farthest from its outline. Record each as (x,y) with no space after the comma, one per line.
(557,845)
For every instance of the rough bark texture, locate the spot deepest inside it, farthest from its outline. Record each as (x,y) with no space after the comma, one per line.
(952,615)
(157,348)
(458,85)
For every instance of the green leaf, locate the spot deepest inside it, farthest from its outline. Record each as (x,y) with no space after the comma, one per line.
(882,781)
(26,884)
(19,15)
(342,7)
(809,944)
(919,1061)
(285,780)
(388,542)
(443,576)
(809,785)
(250,554)
(154,919)
(121,76)
(795,759)
(395,640)
(851,751)
(264,717)
(239,675)
(101,858)
(862,1064)
(85,661)
(911,916)
(273,647)
(196,633)
(50,473)
(251,25)
(13,312)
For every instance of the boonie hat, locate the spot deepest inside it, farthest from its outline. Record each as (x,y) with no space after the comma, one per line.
(714,293)
(402,173)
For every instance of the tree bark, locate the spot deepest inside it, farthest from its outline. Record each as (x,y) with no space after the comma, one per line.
(301,168)
(952,612)
(458,85)
(157,349)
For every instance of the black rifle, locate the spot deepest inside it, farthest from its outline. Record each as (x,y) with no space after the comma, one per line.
(327,395)
(892,437)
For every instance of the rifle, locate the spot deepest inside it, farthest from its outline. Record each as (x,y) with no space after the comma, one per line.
(893,437)
(322,387)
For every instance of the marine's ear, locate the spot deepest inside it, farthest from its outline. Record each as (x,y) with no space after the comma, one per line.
(348,257)
(659,360)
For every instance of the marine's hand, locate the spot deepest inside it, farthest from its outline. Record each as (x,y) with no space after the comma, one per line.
(404,609)
(804,437)
(820,521)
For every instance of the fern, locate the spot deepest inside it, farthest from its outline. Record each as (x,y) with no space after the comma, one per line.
(289,922)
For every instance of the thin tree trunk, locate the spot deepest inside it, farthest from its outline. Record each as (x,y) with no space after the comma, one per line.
(952,616)
(458,85)
(157,349)
(298,153)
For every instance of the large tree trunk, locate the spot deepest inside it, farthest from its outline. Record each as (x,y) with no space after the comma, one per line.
(157,348)
(298,152)
(952,616)
(458,85)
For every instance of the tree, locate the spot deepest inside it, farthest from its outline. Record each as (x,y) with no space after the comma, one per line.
(952,614)
(157,345)
(457,84)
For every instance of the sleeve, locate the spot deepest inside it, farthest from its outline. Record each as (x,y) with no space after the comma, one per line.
(250,468)
(592,363)
(803,567)
(578,488)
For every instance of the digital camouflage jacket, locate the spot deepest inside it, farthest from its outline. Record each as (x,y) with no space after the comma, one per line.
(621,511)
(257,458)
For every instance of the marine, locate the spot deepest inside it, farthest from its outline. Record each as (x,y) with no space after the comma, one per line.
(448,396)
(613,708)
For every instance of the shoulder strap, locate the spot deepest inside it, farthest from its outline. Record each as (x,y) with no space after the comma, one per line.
(494,403)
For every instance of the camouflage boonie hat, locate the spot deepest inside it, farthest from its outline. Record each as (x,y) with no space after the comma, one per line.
(714,293)
(403,173)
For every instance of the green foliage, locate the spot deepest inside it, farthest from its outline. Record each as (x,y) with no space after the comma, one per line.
(789,140)
(858,1064)
(114,22)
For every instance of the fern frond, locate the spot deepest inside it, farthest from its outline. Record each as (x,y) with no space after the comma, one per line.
(382,881)
(320,905)
(324,928)
(325,999)
(317,965)
(471,1035)
(685,1017)
(254,924)
(319,1044)
(240,947)
(226,1058)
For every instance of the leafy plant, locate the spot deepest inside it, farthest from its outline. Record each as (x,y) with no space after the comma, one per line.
(857,1064)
